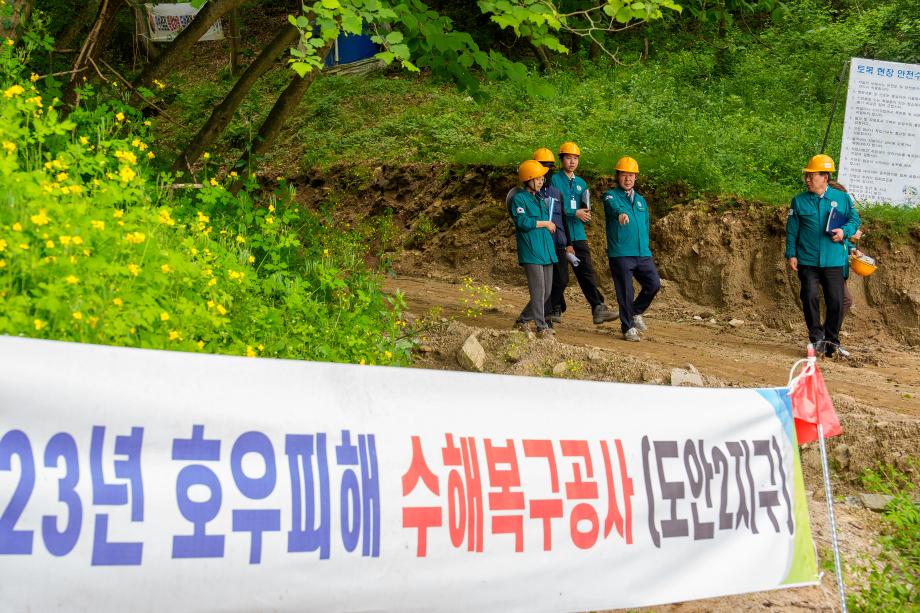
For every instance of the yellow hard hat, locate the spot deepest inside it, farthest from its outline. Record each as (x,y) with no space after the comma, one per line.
(820,163)
(627,164)
(860,266)
(531,169)
(544,155)
(570,148)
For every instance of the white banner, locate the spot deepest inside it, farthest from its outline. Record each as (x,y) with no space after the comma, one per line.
(166,21)
(880,151)
(149,481)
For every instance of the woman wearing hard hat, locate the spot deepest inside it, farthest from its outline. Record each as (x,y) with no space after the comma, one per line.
(536,253)
(628,249)
(820,221)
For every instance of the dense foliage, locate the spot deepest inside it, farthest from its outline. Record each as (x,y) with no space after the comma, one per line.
(95,248)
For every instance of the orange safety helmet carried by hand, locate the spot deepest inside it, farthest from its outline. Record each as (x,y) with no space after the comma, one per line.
(544,155)
(820,163)
(569,148)
(530,169)
(627,164)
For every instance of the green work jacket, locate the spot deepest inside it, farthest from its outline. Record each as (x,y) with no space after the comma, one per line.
(806,236)
(630,239)
(574,196)
(534,245)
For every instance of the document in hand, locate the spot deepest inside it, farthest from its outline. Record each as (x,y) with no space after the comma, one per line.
(835,220)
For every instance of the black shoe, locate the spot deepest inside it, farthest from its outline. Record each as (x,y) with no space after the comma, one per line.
(555,316)
(820,346)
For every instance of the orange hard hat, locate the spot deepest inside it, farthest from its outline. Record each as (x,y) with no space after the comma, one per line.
(820,163)
(627,164)
(530,169)
(544,155)
(569,148)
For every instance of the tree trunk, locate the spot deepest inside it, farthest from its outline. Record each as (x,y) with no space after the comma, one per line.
(544,59)
(12,26)
(223,112)
(77,25)
(284,106)
(235,43)
(182,45)
(93,45)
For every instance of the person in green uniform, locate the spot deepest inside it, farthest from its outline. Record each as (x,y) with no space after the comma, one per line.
(628,252)
(821,219)
(576,203)
(534,234)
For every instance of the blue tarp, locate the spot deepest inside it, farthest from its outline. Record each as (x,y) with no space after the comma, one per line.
(351,48)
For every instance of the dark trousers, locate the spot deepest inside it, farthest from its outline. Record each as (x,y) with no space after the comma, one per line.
(556,300)
(830,280)
(623,270)
(584,272)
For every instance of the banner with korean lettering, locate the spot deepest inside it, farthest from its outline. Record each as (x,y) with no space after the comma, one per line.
(147,481)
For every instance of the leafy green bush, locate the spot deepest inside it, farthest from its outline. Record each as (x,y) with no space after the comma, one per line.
(891,578)
(95,248)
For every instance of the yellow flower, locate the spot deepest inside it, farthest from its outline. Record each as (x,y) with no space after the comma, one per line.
(126,174)
(9,42)
(387,355)
(240,239)
(49,244)
(39,324)
(158,84)
(221,309)
(362,362)
(77,315)
(212,282)
(135,238)
(147,122)
(97,225)
(213,182)
(233,174)
(126,156)
(3,245)
(36,100)
(24,246)
(150,155)
(118,301)
(10,147)
(17,227)
(252,259)
(139,144)
(134,269)
(269,220)
(250,352)
(64,240)
(200,344)
(325,252)
(117,213)
(206,155)
(260,347)
(2,265)
(14,90)
(39,220)
(61,176)
(92,321)
(164,316)
(202,218)
(76,240)
(174,335)
(166,268)
(271,208)
(165,218)
(119,116)
(71,280)
(34,77)
(84,140)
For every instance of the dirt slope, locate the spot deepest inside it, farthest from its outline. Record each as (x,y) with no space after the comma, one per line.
(719,261)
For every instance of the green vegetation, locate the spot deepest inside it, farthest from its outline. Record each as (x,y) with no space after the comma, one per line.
(94,248)
(892,577)
(709,123)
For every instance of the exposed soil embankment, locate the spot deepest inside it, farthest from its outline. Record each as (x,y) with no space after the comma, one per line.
(720,255)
